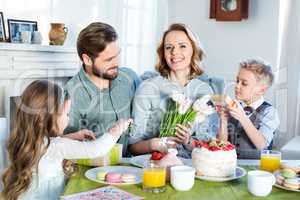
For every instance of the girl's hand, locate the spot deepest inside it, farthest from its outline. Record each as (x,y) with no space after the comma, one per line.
(120,127)
(81,135)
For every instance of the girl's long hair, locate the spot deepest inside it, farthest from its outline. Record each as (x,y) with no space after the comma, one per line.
(34,124)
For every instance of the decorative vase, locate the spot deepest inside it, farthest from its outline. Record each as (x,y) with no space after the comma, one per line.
(57,34)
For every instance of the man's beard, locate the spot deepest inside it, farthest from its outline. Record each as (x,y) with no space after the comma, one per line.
(105,75)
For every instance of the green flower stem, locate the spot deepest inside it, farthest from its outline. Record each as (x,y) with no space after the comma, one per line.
(172,117)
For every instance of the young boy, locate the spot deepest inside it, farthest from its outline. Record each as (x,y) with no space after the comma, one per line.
(250,122)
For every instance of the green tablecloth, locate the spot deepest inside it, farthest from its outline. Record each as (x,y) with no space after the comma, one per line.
(236,189)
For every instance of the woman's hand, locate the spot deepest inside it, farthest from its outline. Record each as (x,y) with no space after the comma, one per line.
(81,135)
(158,144)
(120,127)
(182,134)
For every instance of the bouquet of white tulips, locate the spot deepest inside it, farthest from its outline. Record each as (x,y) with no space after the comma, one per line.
(182,110)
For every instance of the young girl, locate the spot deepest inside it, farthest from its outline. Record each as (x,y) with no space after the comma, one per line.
(36,149)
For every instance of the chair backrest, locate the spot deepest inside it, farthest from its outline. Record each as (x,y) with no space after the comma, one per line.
(148,75)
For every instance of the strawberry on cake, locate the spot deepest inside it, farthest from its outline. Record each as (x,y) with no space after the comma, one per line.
(214,158)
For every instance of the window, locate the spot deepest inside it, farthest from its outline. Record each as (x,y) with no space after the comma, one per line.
(138,35)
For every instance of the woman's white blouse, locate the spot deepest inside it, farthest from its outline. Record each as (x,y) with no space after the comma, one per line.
(150,102)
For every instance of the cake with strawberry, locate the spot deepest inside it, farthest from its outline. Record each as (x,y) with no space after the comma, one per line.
(214,158)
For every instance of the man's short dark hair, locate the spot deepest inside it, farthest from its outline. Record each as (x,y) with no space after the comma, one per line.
(93,39)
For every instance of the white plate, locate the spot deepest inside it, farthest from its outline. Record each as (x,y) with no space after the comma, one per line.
(140,161)
(285,188)
(239,173)
(91,173)
(276,173)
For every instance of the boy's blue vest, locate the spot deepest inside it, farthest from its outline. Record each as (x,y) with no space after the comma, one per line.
(237,136)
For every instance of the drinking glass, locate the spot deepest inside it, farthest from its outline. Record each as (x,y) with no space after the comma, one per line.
(154,178)
(218,101)
(270,160)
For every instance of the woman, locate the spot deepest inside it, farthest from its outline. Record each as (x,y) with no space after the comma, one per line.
(179,55)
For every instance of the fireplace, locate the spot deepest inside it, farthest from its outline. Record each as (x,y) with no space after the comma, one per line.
(20,64)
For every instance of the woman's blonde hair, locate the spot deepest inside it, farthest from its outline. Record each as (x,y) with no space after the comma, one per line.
(162,66)
(35,121)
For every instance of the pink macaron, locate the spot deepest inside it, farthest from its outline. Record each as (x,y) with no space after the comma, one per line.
(113,177)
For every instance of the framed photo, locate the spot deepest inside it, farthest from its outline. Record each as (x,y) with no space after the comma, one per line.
(2,27)
(16,26)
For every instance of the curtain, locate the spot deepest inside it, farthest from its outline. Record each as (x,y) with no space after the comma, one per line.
(288,91)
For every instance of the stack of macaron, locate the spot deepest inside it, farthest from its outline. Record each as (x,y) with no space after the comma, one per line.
(289,177)
(115,177)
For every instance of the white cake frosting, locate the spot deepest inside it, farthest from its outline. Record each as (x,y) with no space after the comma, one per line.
(214,163)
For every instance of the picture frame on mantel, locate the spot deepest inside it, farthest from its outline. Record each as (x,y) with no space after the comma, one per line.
(15,27)
(2,28)
(229,10)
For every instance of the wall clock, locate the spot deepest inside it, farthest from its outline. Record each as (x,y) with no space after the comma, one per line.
(229,10)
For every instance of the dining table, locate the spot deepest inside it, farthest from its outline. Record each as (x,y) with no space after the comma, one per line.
(202,189)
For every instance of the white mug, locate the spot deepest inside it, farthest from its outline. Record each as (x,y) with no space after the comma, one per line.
(182,177)
(26,36)
(260,182)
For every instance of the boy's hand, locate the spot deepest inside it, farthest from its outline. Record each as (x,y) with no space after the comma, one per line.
(223,114)
(81,135)
(237,112)
(120,127)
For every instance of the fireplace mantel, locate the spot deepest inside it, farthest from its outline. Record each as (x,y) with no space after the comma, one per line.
(36,61)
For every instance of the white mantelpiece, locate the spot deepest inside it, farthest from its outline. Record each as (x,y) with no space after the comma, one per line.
(49,61)
(22,63)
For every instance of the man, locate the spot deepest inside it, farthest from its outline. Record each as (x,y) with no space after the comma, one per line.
(101,92)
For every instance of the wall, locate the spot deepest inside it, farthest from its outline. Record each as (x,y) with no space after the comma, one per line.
(75,14)
(227,43)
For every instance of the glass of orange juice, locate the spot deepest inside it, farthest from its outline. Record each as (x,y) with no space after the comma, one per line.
(270,160)
(154,178)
